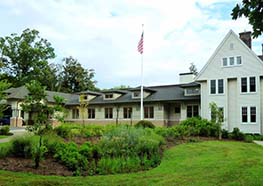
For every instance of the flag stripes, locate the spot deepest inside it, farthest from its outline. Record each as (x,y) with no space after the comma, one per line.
(140,44)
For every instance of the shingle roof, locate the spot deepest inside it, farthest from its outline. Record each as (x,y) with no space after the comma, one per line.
(22,92)
(160,93)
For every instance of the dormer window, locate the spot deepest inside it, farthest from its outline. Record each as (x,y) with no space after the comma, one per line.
(192,91)
(109,96)
(136,94)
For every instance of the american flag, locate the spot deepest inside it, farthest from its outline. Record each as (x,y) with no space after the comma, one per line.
(140,44)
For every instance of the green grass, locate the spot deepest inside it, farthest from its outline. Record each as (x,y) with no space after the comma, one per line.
(201,164)
(3,136)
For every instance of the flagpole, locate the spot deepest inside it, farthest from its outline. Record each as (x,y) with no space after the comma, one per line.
(141,89)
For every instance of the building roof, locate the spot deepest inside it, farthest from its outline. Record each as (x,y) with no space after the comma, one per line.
(160,93)
(22,92)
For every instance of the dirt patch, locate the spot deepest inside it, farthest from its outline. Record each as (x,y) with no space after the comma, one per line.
(47,167)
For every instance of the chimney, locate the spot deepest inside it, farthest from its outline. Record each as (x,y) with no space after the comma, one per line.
(185,78)
(246,38)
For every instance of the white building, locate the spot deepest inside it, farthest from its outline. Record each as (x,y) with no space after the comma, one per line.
(233,79)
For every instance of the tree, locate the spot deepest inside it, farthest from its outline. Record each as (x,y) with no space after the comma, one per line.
(253,10)
(3,86)
(36,102)
(75,78)
(217,117)
(83,106)
(193,69)
(25,57)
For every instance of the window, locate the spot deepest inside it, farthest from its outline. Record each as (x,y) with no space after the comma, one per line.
(239,60)
(244,114)
(91,113)
(148,112)
(244,84)
(108,113)
(225,62)
(212,86)
(192,111)
(75,113)
(127,112)
(231,61)
(192,91)
(252,84)
(177,110)
(136,94)
(252,114)
(108,96)
(220,86)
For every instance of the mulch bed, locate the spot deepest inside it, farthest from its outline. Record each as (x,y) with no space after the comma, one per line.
(47,167)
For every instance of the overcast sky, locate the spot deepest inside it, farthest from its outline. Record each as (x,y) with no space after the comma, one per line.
(103,35)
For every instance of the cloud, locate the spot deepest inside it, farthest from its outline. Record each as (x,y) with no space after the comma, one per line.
(103,35)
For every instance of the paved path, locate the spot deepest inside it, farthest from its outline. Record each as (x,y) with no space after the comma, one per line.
(16,132)
(259,142)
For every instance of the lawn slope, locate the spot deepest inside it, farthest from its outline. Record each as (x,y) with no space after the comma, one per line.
(203,163)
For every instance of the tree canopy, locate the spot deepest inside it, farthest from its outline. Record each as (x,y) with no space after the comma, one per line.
(75,78)
(25,57)
(253,10)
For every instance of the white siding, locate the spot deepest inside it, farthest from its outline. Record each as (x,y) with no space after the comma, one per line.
(232,100)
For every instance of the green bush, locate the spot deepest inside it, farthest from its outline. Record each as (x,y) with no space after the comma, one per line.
(38,153)
(62,131)
(197,126)
(237,135)
(69,155)
(145,124)
(258,137)
(248,138)
(5,130)
(22,146)
(50,142)
(224,134)
(5,150)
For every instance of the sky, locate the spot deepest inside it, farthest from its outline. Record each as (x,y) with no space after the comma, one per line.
(103,35)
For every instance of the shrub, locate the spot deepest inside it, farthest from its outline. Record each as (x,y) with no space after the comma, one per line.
(5,150)
(237,135)
(51,142)
(258,137)
(145,124)
(197,126)
(224,133)
(69,155)
(248,138)
(5,130)
(62,131)
(22,146)
(38,153)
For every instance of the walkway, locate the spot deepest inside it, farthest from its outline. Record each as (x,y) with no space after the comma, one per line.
(259,142)
(16,132)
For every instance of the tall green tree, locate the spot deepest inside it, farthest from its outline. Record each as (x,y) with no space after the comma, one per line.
(75,78)
(25,57)
(253,10)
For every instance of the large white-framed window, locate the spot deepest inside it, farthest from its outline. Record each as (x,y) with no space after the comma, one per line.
(75,113)
(248,114)
(149,112)
(217,86)
(127,112)
(91,113)
(248,84)
(192,111)
(108,112)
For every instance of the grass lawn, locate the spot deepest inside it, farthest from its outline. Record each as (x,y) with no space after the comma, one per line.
(3,136)
(204,163)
